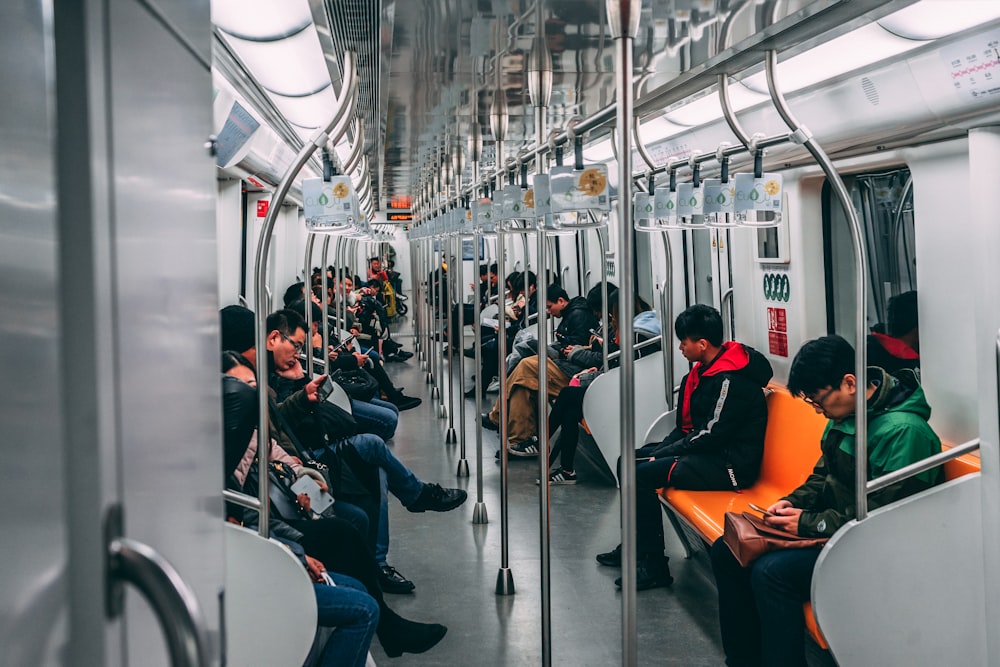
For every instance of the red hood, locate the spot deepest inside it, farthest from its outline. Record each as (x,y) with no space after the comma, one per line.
(896,347)
(734,357)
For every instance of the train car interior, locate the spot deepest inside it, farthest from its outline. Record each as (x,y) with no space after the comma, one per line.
(715,231)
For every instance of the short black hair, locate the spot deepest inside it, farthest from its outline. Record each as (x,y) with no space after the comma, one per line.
(819,364)
(299,307)
(293,293)
(594,297)
(902,314)
(287,321)
(237,328)
(493,268)
(231,359)
(555,292)
(699,321)
(483,270)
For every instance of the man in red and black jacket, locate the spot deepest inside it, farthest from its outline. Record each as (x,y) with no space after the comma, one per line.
(900,349)
(718,442)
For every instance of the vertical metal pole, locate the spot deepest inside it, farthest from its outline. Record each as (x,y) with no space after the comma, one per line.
(800,134)
(604,300)
(667,324)
(307,287)
(463,463)
(479,514)
(443,309)
(623,16)
(454,334)
(326,330)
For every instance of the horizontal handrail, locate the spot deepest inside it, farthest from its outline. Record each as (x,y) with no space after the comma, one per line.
(638,346)
(241,499)
(913,469)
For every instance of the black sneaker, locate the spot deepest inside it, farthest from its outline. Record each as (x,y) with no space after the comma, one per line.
(652,571)
(525,449)
(391,581)
(470,352)
(611,558)
(437,499)
(488,423)
(561,476)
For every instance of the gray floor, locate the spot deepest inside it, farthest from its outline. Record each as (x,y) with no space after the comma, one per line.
(454,563)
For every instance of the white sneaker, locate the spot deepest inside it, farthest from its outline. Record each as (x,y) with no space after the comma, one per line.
(494,386)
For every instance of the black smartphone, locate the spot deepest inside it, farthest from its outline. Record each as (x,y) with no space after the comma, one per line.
(344,343)
(325,389)
(760,509)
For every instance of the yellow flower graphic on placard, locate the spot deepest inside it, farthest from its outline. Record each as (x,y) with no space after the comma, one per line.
(772,187)
(592,182)
(529,198)
(340,190)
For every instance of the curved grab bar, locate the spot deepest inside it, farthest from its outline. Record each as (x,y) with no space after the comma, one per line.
(331,132)
(174,603)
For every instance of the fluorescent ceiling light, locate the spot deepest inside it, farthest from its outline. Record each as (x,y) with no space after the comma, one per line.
(708,108)
(260,19)
(861,48)
(657,129)
(292,66)
(599,152)
(933,19)
(307,112)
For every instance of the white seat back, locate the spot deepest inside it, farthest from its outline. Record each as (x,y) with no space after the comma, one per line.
(266,587)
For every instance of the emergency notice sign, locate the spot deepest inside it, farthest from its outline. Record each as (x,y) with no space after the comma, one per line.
(777,331)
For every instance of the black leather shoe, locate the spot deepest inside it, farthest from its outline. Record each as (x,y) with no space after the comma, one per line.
(651,571)
(405,402)
(488,423)
(437,499)
(391,581)
(410,637)
(611,558)
(469,352)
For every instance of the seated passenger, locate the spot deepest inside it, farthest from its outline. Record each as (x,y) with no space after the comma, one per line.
(567,410)
(332,541)
(900,349)
(573,331)
(760,607)
(717,444)
(293,419)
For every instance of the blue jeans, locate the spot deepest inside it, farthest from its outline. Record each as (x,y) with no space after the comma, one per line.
(376,416)
(354,615)
(760,607)
(394,477)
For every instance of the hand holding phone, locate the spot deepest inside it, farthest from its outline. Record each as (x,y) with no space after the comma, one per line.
(763,511)
(325,389)
(344,343)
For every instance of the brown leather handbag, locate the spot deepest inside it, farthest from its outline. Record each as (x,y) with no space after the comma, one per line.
(749,538)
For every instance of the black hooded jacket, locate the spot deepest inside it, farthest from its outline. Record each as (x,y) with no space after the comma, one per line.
(722,412)
(574,329)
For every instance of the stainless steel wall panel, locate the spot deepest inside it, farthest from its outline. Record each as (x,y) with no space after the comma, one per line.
(33,549)
(166,319)
(187,19)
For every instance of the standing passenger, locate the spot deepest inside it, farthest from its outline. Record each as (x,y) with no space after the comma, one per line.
(717,444)
(900,349)
(760,607)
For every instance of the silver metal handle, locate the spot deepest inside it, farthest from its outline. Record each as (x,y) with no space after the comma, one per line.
(923,465)
(173,601)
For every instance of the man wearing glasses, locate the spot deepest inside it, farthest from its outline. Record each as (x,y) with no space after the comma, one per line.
(760,607)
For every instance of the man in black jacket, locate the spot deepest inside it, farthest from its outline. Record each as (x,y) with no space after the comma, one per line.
(574,331)
(717,444)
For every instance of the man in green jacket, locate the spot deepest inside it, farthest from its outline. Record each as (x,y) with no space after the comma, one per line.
(760,607)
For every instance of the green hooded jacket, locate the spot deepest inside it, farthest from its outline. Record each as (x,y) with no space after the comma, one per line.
(898,435)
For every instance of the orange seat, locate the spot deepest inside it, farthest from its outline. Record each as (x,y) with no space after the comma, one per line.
(791,449)
(966,464)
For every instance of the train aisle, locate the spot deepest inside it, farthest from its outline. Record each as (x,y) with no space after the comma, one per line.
(454,563)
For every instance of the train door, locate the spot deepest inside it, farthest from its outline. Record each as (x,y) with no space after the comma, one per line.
(884,203)
(110,352)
